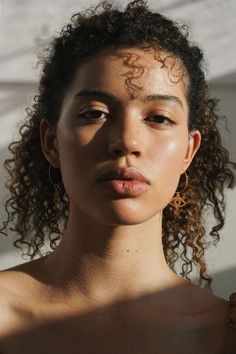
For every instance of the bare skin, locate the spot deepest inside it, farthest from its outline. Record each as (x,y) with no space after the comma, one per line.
(108,279)
(180,319)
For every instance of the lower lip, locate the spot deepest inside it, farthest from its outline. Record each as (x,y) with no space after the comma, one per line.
(126,188)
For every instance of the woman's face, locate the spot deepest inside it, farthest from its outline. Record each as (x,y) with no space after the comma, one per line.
(124,110)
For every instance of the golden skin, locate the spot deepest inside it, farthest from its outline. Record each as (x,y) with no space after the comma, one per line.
(107,284)
(135,138)
(112,248)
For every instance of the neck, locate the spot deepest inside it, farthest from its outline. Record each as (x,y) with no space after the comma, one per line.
(104,263)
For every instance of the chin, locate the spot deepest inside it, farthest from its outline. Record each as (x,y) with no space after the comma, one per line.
(123,213)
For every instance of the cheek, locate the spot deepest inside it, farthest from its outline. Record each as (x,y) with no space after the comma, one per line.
(79,152)
(170,154)
(167,165)
(74,143)
(73,158)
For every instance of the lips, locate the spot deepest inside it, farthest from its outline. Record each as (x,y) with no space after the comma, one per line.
(124,174)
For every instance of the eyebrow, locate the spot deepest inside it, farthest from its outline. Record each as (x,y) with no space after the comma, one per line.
(105,95)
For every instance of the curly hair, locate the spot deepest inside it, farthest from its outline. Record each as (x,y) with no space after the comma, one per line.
(30,207)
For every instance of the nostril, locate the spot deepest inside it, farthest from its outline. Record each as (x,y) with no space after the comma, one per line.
(119,149)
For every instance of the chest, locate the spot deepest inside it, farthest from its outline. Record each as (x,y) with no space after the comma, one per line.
(102,332)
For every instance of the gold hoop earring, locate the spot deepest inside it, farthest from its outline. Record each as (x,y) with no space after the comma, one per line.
(178,201)
(56,193)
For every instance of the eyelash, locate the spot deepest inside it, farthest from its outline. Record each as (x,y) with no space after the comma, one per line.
(83,115)
(165,120)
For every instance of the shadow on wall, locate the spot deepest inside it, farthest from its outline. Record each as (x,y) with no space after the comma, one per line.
(224,282)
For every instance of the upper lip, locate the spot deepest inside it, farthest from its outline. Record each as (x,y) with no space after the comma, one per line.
(127,173)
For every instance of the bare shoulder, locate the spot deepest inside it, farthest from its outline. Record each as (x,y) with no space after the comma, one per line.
(207,299)
(200,304)
(8,302)
(14,299)
(14,280)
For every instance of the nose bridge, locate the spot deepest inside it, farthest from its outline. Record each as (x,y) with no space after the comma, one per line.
(126,135)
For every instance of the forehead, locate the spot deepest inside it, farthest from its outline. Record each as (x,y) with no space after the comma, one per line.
(133,72)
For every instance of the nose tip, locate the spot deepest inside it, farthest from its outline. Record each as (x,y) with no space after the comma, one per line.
(127,135)
(118,149)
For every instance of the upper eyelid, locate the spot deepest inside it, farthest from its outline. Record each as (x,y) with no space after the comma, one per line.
(167,116)
(108,111)
(94,110)
(88,110)
(167,119)
(92,106)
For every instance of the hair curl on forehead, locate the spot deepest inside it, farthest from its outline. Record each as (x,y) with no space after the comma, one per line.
(135,71)
(172,65)
(30,209)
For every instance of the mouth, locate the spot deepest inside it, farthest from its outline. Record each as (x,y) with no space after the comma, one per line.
(126,187)
(124,174)
(125,182)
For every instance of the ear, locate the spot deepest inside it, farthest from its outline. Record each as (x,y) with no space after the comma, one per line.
(193,146)
(49,143)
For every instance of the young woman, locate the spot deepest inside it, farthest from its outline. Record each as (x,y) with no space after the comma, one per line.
(118,160)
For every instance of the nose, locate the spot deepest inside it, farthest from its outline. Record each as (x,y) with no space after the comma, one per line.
(126,138)
(118,148)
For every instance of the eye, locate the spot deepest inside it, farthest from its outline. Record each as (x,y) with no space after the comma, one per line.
(160,119)
(92,115)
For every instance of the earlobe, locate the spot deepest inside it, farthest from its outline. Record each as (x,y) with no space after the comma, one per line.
(49,143)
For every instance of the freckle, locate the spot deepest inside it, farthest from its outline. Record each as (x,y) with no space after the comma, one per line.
(136,250)
(127,250)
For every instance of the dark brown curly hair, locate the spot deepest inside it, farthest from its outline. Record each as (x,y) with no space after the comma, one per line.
(30,208)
